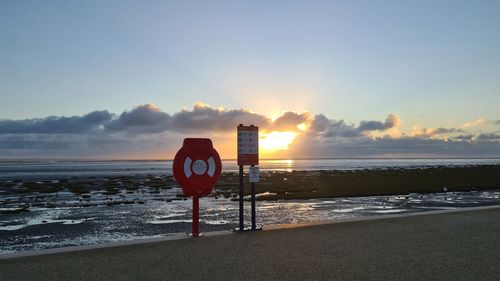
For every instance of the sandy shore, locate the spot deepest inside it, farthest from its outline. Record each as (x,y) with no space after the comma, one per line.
(451,246)
(330,184)
(21,195)
(48,213)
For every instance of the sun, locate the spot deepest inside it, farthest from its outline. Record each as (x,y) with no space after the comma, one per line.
(275,140)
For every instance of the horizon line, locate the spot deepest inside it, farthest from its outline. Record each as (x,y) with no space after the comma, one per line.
(235,159)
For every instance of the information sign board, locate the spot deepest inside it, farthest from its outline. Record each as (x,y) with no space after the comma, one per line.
(248,145)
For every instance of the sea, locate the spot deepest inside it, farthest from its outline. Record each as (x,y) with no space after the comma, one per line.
(89,219)
(31,169)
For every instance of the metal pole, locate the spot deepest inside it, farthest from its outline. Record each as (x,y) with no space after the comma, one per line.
(196,211)
(253,204)
(241,198)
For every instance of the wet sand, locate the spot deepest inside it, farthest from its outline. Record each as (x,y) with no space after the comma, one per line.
(47,213)
(331,184)
(21,195)
(451,246)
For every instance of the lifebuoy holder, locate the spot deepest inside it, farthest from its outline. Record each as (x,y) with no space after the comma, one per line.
(197,166)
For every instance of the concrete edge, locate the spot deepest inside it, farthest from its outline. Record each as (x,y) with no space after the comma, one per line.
(166,237)
(181,236)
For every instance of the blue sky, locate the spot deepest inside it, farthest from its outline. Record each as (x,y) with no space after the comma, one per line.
(435,64)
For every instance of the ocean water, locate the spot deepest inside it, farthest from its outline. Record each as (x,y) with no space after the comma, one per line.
(58,169)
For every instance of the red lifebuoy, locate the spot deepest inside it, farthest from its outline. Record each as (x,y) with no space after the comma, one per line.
(197,167)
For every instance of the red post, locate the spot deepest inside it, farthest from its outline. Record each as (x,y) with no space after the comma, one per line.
(196,211)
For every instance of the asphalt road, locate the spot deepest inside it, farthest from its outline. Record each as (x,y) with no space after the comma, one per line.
(453,246)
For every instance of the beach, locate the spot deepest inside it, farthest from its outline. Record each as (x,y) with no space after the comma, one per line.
(19,195)
(458,245)
(42,212)
(369,182)
(286,183)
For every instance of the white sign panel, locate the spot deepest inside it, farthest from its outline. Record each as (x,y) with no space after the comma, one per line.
(248,142)
(253,174)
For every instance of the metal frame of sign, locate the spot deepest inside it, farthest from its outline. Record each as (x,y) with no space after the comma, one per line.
(248,145)
(248,154)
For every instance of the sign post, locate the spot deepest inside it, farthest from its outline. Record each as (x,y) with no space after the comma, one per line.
(248,154)
(195,226)
(197,167)
(242,226)
(253,174)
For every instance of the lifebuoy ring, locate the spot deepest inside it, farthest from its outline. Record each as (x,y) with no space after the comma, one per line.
(197,166)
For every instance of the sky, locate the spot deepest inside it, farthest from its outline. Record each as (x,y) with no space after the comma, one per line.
(131,79)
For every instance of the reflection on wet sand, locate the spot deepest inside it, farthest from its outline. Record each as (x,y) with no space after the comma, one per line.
(66,211)
(67,226)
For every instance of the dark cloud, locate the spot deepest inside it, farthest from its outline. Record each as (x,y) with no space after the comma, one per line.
(149,119)
(391,121)
(320,123)
(290,120)
(494,136)
(145,118)
(87,146)
(324,127)
(329,128)
(205,118)
(431,132)
(468,137)
(440,131)
(438,147)
(56,125)
(101,134)
(341,129)
(38,142)
(393,147)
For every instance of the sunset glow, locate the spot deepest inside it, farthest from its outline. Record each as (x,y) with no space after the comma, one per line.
(302,126)
(274,141)
(329,79)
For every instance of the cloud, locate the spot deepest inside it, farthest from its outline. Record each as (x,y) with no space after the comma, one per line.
(432,132)
(37,142)
(406,146)
(341,129)
(494,136)
(468,137)
(477,122)
(321,126)
(87,146)
(390,122)
(146,118)
(147,131)
(320,123)
(289,121)
(205,118)
(329,128)
(143,119)
(57,125)
(149,119)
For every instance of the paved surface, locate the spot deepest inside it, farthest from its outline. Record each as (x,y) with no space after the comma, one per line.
(453,246)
